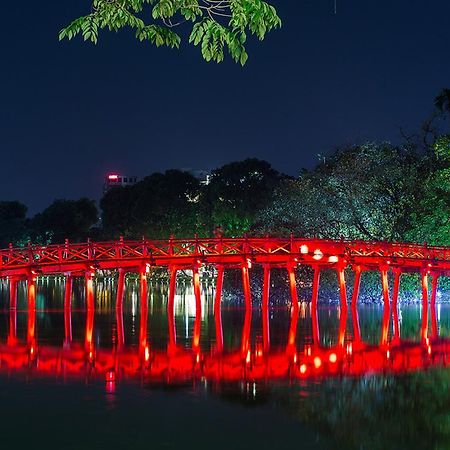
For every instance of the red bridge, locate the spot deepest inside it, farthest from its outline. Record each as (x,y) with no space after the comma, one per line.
(140,256)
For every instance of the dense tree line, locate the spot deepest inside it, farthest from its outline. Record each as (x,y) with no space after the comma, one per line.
(374,191)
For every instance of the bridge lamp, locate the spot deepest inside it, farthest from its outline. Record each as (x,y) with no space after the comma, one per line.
(110,375)
(259,352)
(317,362)
(303,369)
(333,259)
(332,358)
(304,249)
(318,255)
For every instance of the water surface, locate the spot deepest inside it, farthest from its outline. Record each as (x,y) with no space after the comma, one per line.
(70,378)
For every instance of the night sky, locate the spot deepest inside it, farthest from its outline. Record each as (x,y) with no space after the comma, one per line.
(72,111)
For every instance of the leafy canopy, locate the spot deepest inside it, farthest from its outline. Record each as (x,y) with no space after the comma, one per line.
(216,24)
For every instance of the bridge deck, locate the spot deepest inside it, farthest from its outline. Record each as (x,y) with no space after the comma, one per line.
(229,252)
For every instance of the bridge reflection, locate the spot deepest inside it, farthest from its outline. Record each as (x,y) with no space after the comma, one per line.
(259,361)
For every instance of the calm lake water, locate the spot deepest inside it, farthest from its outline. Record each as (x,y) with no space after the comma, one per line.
(73,379)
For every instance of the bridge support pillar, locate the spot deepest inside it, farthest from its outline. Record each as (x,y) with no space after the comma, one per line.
(13,292)
(386,309)
(31,295)
(395,292)
(434,286)
(89,287)
(343,295)
(355,296)
(120,288)
(314,303)
(245,344)
(424,331)
(294,309)
(12,335)
(120,330)
(198,308)
(144,316)
(217,309)
(67,310)
(171,307)
(89,334)
(90,311)
(356,285)
(143,289)
(265,309)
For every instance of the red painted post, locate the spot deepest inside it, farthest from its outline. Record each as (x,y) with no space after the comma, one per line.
(434,286)
(314,303)
(13,292)
(342,287)
(356,286)
(355,323)
(171,307)
(89,286)
(294,309)
(31,288)
(355,295)
(89,333)
(424,329)
(217,310)
(119,308)
(198,308)
(395,292)
(67,310)
(245,344)
(12,336)
(120,288)
(342,326)
(386,309)
(144,289)
(144,314)
(343,295)
(120,330)
(265,309)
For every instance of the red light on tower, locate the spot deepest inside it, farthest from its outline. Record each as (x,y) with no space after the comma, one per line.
(113,177)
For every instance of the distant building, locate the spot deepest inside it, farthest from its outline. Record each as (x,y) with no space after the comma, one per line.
(114,180)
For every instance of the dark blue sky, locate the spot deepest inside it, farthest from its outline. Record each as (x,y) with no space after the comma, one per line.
(72,111)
